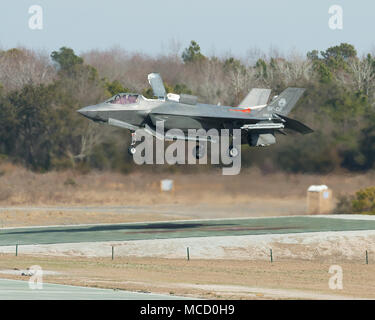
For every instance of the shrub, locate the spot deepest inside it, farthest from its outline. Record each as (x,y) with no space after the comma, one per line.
(364,201)
(344,204)
(70,182)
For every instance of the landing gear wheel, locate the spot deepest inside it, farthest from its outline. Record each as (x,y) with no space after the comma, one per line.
(132,150)
(233,152)
(199,151)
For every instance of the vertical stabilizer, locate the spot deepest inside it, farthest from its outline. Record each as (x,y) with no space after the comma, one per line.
(284,103)
(256,97)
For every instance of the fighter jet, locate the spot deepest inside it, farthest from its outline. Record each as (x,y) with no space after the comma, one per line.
(258,120)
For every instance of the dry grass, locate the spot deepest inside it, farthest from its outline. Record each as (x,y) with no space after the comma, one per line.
(203,195)
(19,186)
(198,277)
(25,218)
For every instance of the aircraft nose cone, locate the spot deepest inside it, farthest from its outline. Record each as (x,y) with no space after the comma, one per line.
(93,113)
(83,112)
(89,112)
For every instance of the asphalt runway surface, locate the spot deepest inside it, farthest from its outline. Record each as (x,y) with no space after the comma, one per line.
(179,229)
(20,290)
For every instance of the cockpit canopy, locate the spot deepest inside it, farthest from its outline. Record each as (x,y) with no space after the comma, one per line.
(124,98)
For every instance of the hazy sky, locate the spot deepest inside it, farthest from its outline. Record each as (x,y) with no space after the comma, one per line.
(220,27)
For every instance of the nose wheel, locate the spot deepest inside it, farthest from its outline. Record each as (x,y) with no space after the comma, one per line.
(132,150)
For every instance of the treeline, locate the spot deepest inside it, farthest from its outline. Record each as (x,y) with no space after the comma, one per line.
(40,93)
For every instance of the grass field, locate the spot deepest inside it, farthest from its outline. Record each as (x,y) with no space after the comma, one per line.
(70,197)
(20,187)
(219,279)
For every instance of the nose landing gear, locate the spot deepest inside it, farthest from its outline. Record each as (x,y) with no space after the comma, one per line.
(132,148)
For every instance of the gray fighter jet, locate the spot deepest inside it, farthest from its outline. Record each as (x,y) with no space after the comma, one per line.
(258,120)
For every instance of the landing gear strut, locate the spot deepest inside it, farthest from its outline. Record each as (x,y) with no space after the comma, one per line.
(199,151)
(132,148)
(233,151)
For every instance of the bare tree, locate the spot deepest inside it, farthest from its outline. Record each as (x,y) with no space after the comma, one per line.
(91,136)
(363,74)
(21,66)
(294,69)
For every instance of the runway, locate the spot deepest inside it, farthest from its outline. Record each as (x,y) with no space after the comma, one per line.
(180,229)
(162,247)
(20,290)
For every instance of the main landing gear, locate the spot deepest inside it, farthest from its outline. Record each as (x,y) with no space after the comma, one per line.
(199,151)
(233,151)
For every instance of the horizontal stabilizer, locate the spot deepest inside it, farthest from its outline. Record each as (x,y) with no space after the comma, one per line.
(295,125)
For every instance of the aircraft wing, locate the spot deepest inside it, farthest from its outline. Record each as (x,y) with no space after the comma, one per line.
(259,124)
(157,85)
(256,97)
